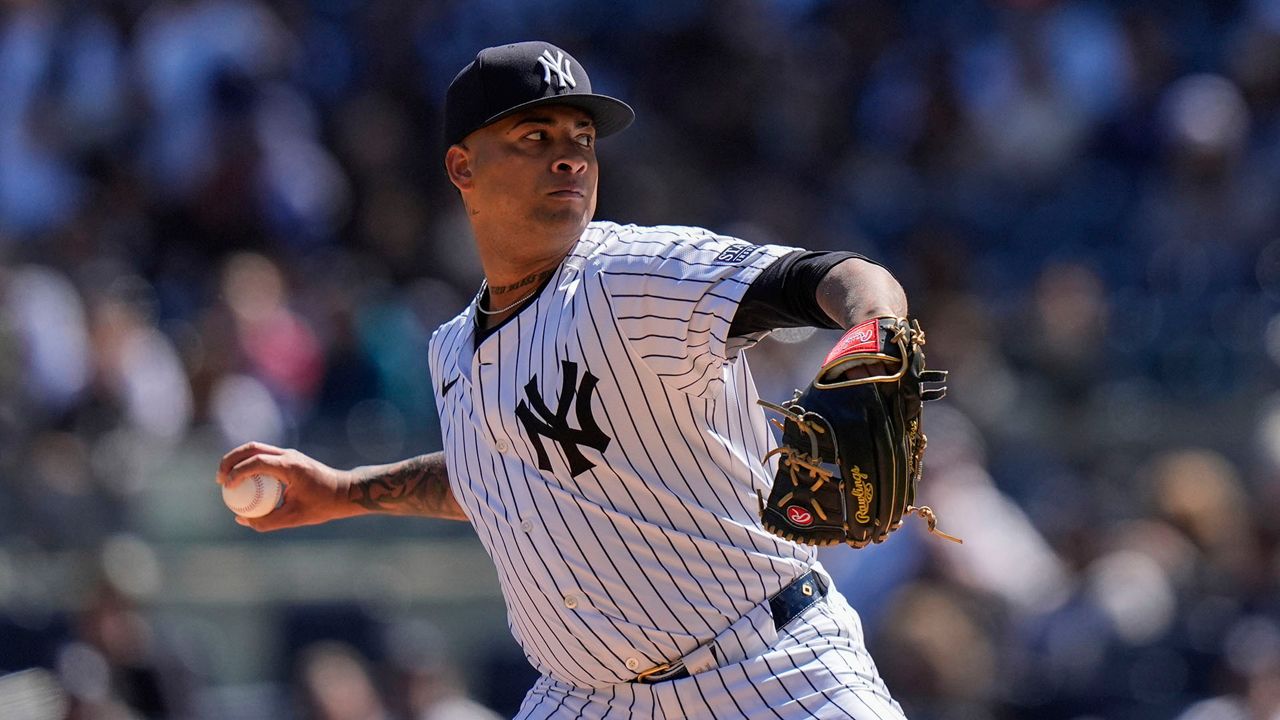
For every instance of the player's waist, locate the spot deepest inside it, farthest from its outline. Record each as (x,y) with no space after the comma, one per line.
(748,636)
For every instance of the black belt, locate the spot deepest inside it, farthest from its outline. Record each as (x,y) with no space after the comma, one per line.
(790,601)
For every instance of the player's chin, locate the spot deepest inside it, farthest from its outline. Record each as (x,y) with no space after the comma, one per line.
(565,214)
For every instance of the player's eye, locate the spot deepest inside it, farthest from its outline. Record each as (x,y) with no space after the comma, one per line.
(536,135)
(586,140)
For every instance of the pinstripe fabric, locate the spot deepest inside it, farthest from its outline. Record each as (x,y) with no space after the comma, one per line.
(818,668)
(605,443)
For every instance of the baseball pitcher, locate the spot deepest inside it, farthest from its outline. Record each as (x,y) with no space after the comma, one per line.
(603,435)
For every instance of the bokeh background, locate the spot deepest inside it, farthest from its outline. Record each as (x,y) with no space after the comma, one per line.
(224,220)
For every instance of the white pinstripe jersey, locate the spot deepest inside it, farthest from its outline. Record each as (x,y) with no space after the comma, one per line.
(605,443)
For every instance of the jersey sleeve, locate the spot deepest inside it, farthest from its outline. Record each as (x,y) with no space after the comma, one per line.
(674,292)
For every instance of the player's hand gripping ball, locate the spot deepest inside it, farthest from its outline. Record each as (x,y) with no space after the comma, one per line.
(254,496)
(852,449)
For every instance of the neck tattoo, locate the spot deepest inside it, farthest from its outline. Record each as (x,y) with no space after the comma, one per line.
(531,279)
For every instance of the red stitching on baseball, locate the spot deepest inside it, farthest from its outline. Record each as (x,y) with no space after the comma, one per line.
(257,495)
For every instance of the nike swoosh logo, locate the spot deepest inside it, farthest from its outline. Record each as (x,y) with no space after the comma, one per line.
(444,389)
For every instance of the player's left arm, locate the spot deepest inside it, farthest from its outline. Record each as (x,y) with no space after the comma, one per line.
(857,290)
(818,289)
(858,484)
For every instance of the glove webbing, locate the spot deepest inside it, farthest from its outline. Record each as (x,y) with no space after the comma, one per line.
(793,458)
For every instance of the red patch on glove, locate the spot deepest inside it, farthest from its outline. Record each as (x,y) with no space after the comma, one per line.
(859,339)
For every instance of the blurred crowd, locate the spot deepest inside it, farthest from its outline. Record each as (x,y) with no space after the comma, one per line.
(224,220)
(116,668)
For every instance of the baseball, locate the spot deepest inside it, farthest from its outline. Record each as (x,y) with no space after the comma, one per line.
(254,497)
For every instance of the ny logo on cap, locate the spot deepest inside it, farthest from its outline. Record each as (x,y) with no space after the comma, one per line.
(558,65)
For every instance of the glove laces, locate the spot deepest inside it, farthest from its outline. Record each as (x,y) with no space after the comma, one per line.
(927,514)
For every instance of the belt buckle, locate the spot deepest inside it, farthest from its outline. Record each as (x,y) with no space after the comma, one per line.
(655,670)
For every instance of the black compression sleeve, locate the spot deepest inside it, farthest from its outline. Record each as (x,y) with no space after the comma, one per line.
(785,294)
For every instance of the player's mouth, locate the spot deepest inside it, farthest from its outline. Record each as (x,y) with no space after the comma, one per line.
(568,192)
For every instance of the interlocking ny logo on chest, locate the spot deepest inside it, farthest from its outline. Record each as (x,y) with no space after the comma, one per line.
(540,422)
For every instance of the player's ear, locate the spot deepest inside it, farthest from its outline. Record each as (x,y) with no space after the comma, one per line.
(457,162)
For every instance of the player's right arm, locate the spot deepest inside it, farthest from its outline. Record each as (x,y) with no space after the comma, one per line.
(316,493)
(417,486)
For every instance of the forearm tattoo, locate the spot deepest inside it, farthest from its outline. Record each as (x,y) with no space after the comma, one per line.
(418,486)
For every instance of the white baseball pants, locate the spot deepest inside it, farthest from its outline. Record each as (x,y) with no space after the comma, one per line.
(818,667)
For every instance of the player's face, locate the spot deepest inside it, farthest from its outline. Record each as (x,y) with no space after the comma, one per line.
(536,167)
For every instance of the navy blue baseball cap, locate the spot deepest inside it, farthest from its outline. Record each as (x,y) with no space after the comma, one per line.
(509,78)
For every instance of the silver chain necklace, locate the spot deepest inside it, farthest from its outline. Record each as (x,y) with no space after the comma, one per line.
(484,285)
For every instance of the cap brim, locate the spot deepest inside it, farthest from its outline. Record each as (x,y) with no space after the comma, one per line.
(610,115)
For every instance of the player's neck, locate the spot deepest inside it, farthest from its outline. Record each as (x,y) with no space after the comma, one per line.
(509,281)
(510,258)
(499,303)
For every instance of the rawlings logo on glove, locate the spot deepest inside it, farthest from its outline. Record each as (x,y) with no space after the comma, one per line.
(852,451)
(799,516)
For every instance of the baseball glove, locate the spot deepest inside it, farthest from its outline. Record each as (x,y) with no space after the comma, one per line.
(852,449)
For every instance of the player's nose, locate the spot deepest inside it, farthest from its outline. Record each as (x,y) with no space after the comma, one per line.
(570,163)
(571,158)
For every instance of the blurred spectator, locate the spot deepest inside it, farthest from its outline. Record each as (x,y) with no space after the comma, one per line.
(426,680)
(118,666)
(335,684)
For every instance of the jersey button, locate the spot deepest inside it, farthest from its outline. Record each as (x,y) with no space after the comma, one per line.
(502,446)
(526,526)
(633,664)
(571,601)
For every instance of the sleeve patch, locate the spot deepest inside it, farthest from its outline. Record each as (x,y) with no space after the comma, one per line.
(734,254)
